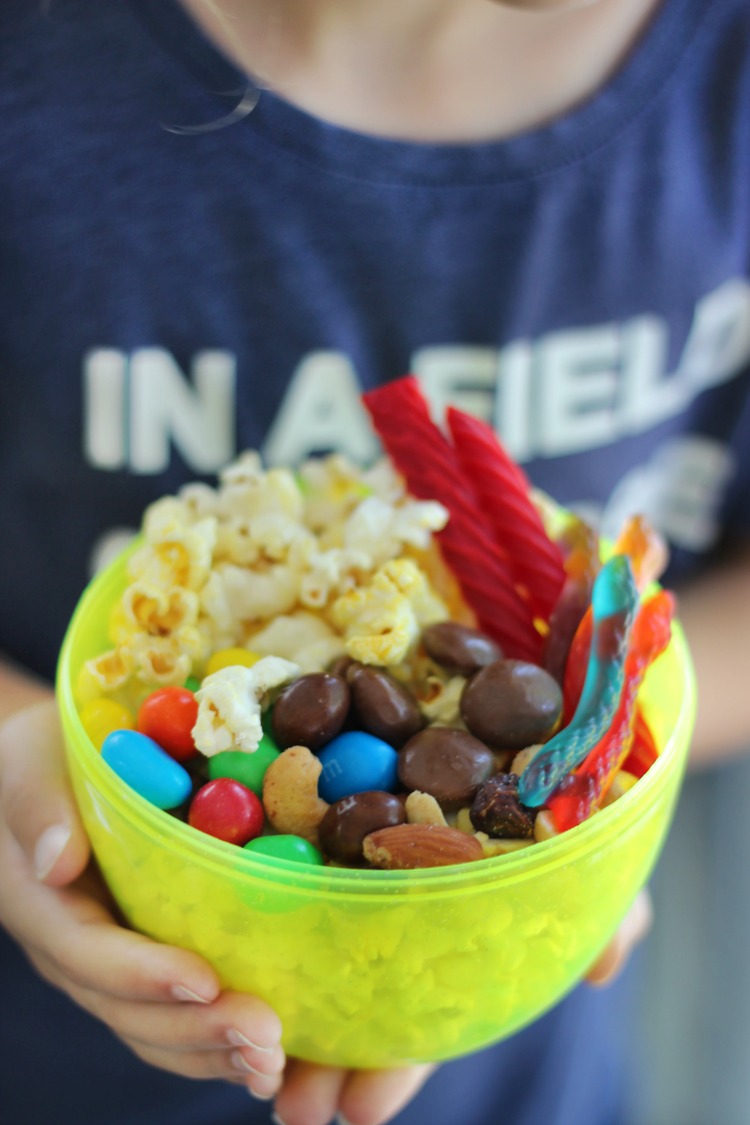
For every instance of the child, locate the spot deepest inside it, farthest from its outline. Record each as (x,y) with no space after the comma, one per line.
(220,222)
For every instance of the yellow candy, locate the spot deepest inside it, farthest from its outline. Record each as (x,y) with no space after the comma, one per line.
(101,716)
(226,657)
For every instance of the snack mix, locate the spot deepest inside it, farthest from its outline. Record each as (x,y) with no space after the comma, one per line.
(418,664)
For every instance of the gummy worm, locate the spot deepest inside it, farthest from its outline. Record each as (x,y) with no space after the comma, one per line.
(614,601)
(581,793)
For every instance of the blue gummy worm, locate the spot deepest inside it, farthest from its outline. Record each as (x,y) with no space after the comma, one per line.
(614,600)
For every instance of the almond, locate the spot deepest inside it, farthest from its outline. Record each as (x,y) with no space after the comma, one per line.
(407,846)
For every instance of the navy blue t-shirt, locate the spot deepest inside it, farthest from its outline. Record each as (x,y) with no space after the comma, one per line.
(173,292)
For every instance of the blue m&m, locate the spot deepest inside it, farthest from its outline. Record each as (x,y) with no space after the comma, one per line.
(146,768)
(355,762)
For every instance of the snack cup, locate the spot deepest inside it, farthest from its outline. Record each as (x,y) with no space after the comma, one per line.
(380,968)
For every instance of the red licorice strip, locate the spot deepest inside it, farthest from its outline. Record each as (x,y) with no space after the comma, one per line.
(581,793)
(643,752)
(428,463)
(504,496)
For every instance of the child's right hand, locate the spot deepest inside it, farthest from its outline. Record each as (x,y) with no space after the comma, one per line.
(164,1003)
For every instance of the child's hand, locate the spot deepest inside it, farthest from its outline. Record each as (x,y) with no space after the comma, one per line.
(313,1095)
(632,931)
(164,1003)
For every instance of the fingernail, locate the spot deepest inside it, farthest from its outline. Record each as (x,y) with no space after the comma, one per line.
(239,1062)
(180,992)
(49,847)
(237,1039)
(261,1097)
(341,1120)
(277,1120)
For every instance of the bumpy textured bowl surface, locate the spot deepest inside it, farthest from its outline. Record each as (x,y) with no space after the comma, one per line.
(372,968)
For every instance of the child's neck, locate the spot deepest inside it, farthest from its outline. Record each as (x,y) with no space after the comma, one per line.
(426,70)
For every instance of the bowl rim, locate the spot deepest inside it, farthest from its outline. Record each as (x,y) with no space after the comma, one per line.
(161,826)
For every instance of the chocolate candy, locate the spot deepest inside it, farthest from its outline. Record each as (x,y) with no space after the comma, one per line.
(348,821)
(447,763)
(355,762)
(341,666)
(511,704)
(148,769)
(458,648)
(382,706)
(310,711)
(497,810)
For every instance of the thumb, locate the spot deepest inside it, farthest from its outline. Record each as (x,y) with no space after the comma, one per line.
(36,798)
(633,929)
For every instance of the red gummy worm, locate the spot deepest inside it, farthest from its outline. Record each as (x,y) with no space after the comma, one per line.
(430,467)
(567,615)
(646,550)
(643,752)
(579,794)
(505,499)
(576,665)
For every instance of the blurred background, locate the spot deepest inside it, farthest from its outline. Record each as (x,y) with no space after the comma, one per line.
(692,1061)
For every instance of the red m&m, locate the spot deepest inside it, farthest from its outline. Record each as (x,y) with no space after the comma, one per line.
(226,809)
(168,716)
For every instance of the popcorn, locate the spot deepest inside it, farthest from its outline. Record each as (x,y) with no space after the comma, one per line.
(161,660)
(332,487)
(249,491)
(257,595)
(441,704)
(154,611)
(304,638)
(381,531)
(331,572)
(110,670)
(407,576)
(230,704)
(381,620)
(199,500)
(267,546)
(174,554)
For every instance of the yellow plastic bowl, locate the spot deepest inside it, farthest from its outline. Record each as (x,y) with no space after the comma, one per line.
(376,968)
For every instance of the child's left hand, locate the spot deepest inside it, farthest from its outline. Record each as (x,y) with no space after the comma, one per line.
(315,1095)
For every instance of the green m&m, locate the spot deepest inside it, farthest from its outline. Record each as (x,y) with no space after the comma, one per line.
(248,769)
(294,848)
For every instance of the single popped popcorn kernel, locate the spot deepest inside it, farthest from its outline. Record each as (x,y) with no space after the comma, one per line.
(111,669)
(379,620)
(257,595)
(381,531)
(332,487)
(331,572)
(305,638)
(441,703)
(175,556)
(249,491)
(230,703)
(412,582)
(155,611)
